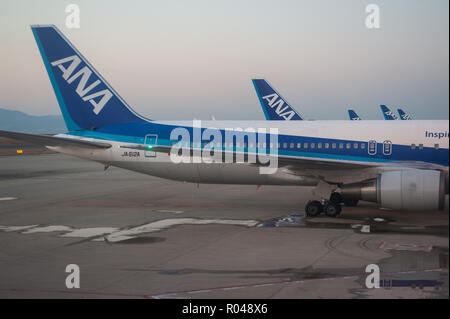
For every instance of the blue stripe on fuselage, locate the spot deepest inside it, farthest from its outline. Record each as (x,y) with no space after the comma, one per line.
(135,133)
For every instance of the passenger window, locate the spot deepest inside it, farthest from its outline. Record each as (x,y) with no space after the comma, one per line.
(305,145)
(413,146)
(333,145)
(420,146)
(355,146)
(292,145)
(327,145)
(436,146)
(284,145)
(348,145)
(363,146)
(319,145)
(313,145)
(341,145)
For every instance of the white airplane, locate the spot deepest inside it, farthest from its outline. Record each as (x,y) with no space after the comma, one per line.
(400,165)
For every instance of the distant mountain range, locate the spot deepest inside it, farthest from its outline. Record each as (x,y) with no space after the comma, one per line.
(21,122)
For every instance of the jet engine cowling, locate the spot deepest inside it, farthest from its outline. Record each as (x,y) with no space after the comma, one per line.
(411,189)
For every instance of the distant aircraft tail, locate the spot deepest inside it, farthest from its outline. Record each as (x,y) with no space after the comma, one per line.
(387,113)
(86,100)
(403,115)
(275,107)
(353,116)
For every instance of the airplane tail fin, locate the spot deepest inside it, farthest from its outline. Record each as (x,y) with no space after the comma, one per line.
(275,107)
(353,116)
(387,113)
(86,100)
(403,115)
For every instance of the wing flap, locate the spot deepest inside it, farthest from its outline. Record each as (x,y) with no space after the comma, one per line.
(48,140)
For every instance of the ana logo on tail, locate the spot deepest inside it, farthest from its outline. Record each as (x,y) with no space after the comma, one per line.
(81,89)
(286,112)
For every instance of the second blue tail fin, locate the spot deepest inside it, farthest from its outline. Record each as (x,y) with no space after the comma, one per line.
(275,107)
(86,100)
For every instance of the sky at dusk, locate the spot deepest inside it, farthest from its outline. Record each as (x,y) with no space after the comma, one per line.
(184,59)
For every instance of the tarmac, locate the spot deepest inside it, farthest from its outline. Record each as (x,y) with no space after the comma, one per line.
(138,236)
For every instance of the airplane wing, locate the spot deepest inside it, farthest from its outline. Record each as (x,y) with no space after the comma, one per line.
(48,140)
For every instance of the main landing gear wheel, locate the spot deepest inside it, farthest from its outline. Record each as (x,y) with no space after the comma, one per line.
(332,209)
(313,208)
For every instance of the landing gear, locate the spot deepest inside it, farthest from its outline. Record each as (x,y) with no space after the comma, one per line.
(351,202)
(332,209)
(338,198)
(313,208)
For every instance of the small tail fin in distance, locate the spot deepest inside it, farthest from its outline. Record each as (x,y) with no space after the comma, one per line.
(387,113)
(403,115)
(353,116)
(275,107)
(86,100)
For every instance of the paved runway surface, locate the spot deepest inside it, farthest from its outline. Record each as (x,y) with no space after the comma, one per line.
(138,236)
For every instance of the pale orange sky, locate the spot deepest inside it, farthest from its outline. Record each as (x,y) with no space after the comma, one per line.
(185,59)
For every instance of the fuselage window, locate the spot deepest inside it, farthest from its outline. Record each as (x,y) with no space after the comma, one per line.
(348,145)
(319,145)
(436,146)
(355,146)
(333,145)
(292,145)
(299,145)
(413,146)
(372,147)
(284,145)
(363,146)
(387,148)
(313,145)
(420,146)
(341,145)
(305,145)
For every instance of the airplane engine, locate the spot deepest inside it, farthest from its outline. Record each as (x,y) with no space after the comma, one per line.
(411,189)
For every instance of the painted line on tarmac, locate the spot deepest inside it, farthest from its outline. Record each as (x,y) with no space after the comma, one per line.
(7,198)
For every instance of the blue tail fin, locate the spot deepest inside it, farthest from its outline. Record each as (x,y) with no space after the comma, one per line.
(403,115)
(86,100)
(353,116)
(387,113)
(275,107)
